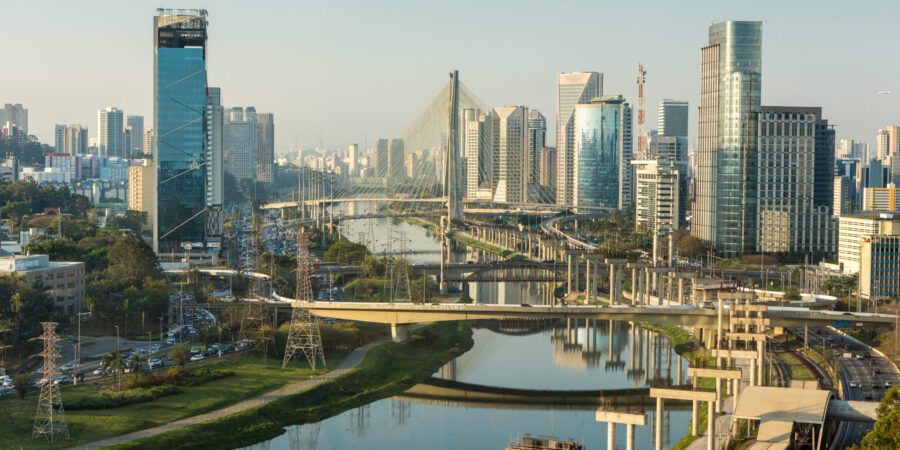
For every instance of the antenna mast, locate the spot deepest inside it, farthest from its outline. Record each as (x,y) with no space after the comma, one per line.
(642,149)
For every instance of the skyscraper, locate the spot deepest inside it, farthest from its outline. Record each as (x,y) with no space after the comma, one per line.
(215,167)
(510,141)
(137,135)
(179,110)
(888,141)
(265,155)
(548,167)
(16,115)
(852,149)
(477,148)
(148,139)
(111,132)
(571,89)
(72,139)
(725,208)
(603,151)
(396,159)
(241,142)
(537,140)
(381,158)
(672,118)
(353,156)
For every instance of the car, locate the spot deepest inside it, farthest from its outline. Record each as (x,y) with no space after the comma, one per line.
(62,379)
(98,371)
(195,350)
(67,367)
(525,305)
(198,357)
(155,362)
(170,341)
(854,384)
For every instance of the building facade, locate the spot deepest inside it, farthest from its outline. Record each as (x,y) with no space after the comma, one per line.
(880,199)
(510,145)
(731,69)
(381,162)
(852,231)
(888,141)
(14,115)
(111,132)
(548,167)
(63,281)
(478,153)
(396,160)
(241,142)
(353,159)
(657,201)
(602,172)
(136,145)
(537,140)
(265,155)
(71,139)
(179,113)
(571,89)
(672,118)
(879,274)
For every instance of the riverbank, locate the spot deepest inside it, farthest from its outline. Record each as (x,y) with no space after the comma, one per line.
(467,240)
(386,370)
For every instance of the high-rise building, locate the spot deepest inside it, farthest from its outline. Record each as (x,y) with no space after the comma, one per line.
(179,113)
(141,182)
(731,68)
(510,141)
(353,156)
(888,141)
(548,167)
(881,199)
(16,116)
(674,150)
(796,181)
(478,152)
(672,118)
(71,139)
(844,196)
(381,158)
(148,142)
(396,159)
(265,155)
(853,232)
(215,167)
(111,132)
(880,266)
(537,140)
(241,142)
(657,201)
(602,172)
(571,89)
(137,135)
(852,149)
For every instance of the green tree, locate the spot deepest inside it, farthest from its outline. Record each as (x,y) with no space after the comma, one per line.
(23,307)
(131,220)
(791,294)
(180,355)
(137,364)
(130,258)
(20,383)
(886,433)
(345,252)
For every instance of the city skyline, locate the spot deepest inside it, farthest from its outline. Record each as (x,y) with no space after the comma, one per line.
(320,105)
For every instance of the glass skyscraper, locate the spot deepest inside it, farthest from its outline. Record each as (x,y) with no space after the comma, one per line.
(602,160)
(179,109)
(725,211)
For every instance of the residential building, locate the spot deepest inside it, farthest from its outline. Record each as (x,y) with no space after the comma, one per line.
(795,192)
(265,155)
(731,68)
(148,142)
(71,139)
(9,170)
(141,189)
(396,159)
(548,167)
(111,132)
(880,199)
(179,113)
(853,229)
(674,150)
(79,167)
(571,89)
(537,140)
(478,153)
(215,167)
(63,281)
(241,142)
(53,175)
(888,141)
(602,172)
(658,204)
(672,118)
(510,141)
(15,115)
(136,145)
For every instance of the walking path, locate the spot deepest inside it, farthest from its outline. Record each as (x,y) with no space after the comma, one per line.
(352,360)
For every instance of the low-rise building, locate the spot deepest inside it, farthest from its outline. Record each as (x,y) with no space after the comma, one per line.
(879,274)
(852,232)
(63,281)
(880,199)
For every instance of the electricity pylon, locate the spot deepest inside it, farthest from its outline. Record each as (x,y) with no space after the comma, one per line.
(50,419)
(304,333)
(402,271)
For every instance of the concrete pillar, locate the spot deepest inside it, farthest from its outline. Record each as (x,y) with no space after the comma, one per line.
(400,331)
(629,437)
(695,417)
(659,421)
(634,286)
(612,284)
(752,372)
(611,435)
(762,361)
(711,426)
(569,271)
(718,395)
(587,281)
(681,291)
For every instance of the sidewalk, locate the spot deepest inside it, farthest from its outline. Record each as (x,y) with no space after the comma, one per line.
(723,422)
(352,360)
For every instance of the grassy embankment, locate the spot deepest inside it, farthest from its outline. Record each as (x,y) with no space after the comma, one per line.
(471,242)
(386,370)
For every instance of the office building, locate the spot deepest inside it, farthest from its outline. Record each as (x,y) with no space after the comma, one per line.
(215,167)
(241,142)
(657,201)
(844,196)
(548,167)
(396,159)
(478,153)
(672,118)
(880,199)
(537,140)
(265,155)
(510,140)
(602,172)
(852,231)
(849,148)
(179,113)
(353,156)
(15,115)
(111,132)
(71,139)
(62,281)
(136,145)
(381,162)
(674,150)
(725,207)
(879,273)
(571,89)
(888,141)
(796,181)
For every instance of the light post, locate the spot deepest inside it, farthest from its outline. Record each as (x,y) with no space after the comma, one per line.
(78,347)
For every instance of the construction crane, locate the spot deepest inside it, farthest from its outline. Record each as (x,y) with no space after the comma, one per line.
(642,148)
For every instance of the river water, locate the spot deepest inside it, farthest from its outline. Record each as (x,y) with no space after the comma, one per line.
(525,355)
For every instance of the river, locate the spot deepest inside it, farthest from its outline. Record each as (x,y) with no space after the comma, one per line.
(525,355)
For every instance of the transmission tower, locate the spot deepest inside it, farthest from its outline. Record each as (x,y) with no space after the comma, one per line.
(304,333)
(389,261)
(50,419)
(402,271)
(642,148)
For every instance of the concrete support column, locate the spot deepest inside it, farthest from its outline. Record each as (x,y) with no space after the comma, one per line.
(718,395)
(629,437)
(612,284)
(611,435)
(752,372)
(681,291)
(587,281)
(400,331)
(634,286)
(695,417)
(711,426)
(568,272)
(659,421)
(762,361)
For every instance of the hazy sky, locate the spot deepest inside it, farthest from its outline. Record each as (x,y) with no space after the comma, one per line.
(344,71)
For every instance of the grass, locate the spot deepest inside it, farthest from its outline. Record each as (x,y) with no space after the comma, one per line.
(797,369)
(472,242)
(251,379)
(386,370)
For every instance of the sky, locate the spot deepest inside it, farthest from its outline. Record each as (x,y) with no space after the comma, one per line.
(337,72)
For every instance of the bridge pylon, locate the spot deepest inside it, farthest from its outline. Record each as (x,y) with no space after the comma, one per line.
(304,335)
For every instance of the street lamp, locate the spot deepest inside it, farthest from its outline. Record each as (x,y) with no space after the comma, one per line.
(78,347)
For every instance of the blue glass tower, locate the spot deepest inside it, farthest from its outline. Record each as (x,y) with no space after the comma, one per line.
(602,160)
(179,108)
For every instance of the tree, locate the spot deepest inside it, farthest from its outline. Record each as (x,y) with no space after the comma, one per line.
(20,382)
(791,294)
(130,258)
(23,307)
(179,354)
(886,433)
(131,220)
(345,252)
(137,363)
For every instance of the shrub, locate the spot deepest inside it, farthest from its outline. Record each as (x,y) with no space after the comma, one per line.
(205,375)
(109,399)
